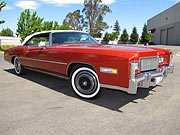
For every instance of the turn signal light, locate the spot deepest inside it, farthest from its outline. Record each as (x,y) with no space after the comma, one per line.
(108,70)
(138,84)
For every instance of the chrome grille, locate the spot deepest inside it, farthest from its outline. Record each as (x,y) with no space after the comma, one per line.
(149,63)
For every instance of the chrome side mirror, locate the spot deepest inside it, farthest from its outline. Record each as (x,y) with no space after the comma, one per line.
(42,44)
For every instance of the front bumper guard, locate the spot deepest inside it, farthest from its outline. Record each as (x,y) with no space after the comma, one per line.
(147,79)
(143,80)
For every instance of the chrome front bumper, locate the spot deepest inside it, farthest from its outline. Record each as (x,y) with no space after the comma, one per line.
(150,78)
(143,80)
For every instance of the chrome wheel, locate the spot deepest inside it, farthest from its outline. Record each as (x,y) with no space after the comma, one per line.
(85,82)
(17,66)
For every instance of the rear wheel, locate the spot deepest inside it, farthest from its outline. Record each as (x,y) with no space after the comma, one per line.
(85,82)
(19,69)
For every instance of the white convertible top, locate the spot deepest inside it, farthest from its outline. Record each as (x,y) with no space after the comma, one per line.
(50,31)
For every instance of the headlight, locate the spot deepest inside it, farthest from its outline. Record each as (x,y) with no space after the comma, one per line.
(161,60)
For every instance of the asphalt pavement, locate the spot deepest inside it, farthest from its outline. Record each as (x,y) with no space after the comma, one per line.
(39,104)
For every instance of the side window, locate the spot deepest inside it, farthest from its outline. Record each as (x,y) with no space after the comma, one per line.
(38,41)
(72,38)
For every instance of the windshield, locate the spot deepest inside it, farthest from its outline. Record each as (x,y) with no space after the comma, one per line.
(72,38)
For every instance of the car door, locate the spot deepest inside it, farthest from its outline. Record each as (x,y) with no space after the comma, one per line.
(33,48)
(39,54)
(54,57)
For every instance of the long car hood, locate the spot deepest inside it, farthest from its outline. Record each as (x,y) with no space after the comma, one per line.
(130,50)
(120,50)
(126,48)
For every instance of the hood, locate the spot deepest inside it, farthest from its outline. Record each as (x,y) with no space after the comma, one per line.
(120,50)
(126,48)
(111,47)
(133,52)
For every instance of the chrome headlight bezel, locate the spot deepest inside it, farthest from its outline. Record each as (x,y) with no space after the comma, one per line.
(170,59)
(137,66)
(161,59)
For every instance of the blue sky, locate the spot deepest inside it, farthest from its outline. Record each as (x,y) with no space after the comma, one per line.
(129,13)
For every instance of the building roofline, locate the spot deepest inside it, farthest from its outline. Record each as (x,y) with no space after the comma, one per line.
(165,10)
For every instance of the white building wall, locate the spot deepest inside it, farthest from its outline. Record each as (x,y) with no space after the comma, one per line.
(166,26)
(10,40)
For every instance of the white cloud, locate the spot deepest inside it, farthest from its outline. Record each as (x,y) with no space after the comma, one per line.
(27,4)
(7,8)
(108,1)
(63,2)
(68,2)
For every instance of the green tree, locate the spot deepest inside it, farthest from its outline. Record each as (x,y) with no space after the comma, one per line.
(124,36)
(28,24)
(110,36)
(74,20)
(6,32)
(2,4)
(94,12)
(63,27)
(98,35)
(134,36)
(106,37)
(146,36)
(50,25)
(56,26)
(114,36)
(117,27)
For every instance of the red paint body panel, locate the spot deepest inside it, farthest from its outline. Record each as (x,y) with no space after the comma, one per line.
(110,56)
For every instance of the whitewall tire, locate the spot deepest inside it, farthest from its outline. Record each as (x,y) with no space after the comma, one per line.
(85,82)
(19,69)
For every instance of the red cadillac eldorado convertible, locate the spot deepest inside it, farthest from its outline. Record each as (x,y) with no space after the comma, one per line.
(89,65)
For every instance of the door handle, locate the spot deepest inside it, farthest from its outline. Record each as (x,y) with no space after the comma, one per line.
(43,48)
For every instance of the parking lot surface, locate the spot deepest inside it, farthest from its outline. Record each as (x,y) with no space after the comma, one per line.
(39,104)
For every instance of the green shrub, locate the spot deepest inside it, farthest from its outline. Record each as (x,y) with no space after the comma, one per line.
(4,47)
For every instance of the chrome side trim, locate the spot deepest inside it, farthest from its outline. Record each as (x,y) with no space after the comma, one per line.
(61,63)
(44,72)
(114,87)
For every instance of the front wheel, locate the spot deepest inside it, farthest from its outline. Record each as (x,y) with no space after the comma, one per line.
(85,82)
(19,69)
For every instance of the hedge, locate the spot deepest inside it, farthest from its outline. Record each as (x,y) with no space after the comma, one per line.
(4,47)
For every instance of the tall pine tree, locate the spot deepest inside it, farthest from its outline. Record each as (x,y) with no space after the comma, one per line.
(134,36)
(117,27)
(146,36)
(124,36)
